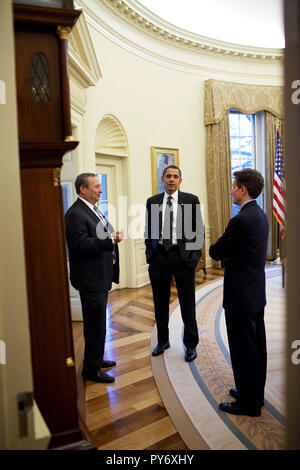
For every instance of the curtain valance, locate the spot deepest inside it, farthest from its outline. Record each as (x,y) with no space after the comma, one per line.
(221,96)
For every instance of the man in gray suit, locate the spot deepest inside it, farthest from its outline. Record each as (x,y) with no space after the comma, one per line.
(94,265)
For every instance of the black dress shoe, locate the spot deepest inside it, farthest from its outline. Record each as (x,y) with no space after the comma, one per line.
(160,348)
(235,394)
(100,377)
(234,409)
(190,354)
(106,364)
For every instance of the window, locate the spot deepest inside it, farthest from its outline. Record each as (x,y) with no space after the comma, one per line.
(102,204)
(246,143)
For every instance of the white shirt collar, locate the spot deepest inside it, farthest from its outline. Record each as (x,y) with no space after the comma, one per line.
(174,196)
(88,203)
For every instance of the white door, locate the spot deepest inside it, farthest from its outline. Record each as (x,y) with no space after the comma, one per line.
(109,170)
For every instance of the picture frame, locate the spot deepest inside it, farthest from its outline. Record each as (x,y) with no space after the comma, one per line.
(161,157)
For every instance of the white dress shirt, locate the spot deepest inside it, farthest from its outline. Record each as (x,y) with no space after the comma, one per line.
(91,206)
(102,219)
(175,207)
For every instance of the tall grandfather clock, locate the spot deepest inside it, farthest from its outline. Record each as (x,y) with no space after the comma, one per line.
(45,135)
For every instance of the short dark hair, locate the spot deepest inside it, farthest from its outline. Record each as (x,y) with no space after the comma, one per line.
(251,179)
(82,180)
(172,166)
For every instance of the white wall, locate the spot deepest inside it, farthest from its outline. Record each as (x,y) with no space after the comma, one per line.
(162,104)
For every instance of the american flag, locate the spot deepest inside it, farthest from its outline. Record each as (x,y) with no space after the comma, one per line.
(279,187)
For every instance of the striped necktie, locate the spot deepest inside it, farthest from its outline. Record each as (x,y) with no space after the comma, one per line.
(100,215)
(167,237)
(106,228)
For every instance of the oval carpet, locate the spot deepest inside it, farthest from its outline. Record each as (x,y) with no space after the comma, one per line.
(192,392)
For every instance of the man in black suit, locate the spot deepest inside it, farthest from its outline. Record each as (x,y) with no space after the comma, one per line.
(242,249)
(174,238)
(94,264)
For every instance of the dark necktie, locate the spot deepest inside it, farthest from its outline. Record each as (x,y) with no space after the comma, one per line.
(168,225)
(106,228)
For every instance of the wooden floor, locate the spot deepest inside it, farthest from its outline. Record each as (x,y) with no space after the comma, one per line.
(128,414)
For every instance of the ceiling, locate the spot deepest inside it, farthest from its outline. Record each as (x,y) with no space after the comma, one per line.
(256,23)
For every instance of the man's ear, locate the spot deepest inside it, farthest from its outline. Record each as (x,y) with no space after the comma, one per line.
(244,190)
(82,189)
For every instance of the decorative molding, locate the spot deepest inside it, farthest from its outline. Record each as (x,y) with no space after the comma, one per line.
(63,32)
(78,96)
(142,275)
(143,19)
(110,137)
(84,66)
(56,176)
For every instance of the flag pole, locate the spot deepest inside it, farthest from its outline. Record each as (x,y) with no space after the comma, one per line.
(278,260)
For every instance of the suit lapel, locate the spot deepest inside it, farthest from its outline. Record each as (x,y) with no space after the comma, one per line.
(180,216)
(160,198)
(87,210)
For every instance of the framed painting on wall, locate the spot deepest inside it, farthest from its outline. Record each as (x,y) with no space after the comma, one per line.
(161,158)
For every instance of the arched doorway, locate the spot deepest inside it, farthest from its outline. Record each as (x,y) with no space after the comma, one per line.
(111,158)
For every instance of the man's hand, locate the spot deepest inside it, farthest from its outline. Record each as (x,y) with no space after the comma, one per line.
(118,236)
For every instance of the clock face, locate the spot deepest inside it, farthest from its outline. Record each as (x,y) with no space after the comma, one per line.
(43,3)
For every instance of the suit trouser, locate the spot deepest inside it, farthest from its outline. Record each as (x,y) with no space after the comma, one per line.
(94,329)
(163,265)
(248,351)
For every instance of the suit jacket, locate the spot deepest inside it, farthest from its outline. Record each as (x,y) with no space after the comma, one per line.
(91,258)
(243,250)
(189,227)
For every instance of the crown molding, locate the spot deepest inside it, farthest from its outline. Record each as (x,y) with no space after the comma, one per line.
(109,24)
(138,16)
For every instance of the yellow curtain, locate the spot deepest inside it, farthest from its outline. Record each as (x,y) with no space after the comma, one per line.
(271,125)
(220,96)
(218,176)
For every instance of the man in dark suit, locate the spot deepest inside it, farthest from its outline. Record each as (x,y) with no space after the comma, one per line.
(174,238)
(94,264)
(242,249)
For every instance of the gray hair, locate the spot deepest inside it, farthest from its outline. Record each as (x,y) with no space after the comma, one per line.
(82,180)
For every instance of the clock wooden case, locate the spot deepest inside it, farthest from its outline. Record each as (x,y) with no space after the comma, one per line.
(45,135)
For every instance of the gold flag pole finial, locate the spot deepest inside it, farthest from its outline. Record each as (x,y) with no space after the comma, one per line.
(278,260)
